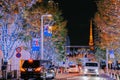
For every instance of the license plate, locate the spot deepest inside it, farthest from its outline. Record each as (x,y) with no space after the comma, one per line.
(29,69)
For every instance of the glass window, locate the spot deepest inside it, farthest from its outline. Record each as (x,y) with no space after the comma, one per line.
(72,66)
(34,64)
(92,64)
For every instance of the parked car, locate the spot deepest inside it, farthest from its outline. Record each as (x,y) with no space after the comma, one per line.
(73,69)
(48,74)
(48,71)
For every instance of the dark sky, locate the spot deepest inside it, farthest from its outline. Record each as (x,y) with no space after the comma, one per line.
(78,14)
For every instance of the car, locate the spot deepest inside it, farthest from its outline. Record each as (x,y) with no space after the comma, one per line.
(73,69)
(50,74)
(30,69)
(37,69)
(48,71)
(91,67)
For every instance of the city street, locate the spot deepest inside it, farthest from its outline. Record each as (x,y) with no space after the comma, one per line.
(78,76)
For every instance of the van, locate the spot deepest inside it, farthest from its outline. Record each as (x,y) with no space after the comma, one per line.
(91,68)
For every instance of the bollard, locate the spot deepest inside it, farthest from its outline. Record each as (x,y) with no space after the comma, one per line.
(114,76)
(117,77)
(111,75)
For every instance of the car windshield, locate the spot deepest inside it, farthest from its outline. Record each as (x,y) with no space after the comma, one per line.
(72,66)
(34,64)
(92,64)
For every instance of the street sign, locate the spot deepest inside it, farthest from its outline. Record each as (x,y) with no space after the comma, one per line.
(18,55)
(35,44)
(111,52)
(47,30)
(18,49)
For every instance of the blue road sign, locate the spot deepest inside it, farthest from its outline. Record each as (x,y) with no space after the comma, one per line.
(47,30)
(18,55)
(111,52)
(35,45)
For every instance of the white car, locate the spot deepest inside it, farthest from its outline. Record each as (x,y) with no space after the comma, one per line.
(48,74)
(91,68)
(73,69)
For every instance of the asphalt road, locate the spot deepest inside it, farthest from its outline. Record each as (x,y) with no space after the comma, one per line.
(78,76)
(89,78)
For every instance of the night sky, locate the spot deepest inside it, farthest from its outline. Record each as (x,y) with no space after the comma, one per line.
(78,14)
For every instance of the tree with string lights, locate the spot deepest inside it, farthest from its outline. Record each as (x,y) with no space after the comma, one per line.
(11,22)
(107,22)
(20,22)
(55,43)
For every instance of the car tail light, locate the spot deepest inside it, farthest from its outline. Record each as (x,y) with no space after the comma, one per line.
(38,69)
(30,61)
(22,69)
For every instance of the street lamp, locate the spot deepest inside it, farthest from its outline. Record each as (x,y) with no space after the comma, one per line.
(107,53)
(42,33)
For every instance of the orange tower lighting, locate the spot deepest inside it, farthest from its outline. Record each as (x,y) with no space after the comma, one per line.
(91,37)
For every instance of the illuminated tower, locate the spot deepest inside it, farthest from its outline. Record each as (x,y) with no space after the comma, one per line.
(39,1)
(91,44)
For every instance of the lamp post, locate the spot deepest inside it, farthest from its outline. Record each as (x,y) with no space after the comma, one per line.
(107,53)
(42,34)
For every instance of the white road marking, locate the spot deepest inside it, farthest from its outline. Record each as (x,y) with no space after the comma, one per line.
(86,78)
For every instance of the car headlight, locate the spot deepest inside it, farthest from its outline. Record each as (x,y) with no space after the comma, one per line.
(85,70)
(51,71)
(96,70)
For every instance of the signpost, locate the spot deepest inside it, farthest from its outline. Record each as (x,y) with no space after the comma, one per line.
(18,50)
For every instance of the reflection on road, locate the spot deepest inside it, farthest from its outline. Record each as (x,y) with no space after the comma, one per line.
(87,78)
